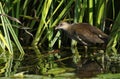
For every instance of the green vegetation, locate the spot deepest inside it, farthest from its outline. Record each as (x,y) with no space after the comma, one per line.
(27,31)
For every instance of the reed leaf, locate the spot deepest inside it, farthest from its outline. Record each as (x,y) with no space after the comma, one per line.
(39,32)
(8,29)
(115,37)
(91,12)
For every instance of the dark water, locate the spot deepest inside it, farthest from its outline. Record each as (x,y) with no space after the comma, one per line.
(60,63)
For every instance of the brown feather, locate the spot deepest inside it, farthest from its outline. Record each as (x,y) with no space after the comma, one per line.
(84,32)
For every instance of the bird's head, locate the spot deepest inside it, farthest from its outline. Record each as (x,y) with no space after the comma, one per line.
(63,26)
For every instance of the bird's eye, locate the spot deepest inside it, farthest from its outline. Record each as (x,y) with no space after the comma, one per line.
(61,24)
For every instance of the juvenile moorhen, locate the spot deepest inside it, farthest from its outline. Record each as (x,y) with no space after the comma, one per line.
(83,32)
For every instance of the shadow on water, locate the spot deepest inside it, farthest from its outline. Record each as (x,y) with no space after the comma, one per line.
(60,63)
(57,62)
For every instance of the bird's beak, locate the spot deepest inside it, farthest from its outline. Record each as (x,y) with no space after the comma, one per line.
(57,27)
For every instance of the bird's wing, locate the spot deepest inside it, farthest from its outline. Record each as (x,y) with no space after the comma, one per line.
(98,32)
(85,36)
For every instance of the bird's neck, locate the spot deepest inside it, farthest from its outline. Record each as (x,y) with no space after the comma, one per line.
(67,27)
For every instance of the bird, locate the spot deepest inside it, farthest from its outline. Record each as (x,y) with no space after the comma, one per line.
(83,32)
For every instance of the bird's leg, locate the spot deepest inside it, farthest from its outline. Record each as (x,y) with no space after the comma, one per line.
(86,48)
(86,55)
